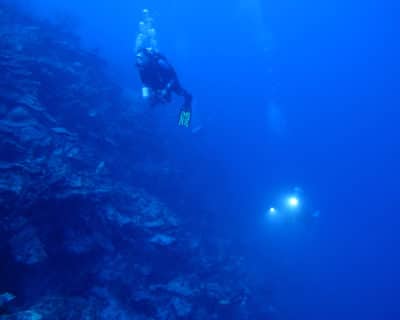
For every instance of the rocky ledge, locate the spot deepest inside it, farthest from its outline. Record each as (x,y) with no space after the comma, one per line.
(78,239)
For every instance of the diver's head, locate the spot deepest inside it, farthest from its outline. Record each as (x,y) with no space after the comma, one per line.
(143,57)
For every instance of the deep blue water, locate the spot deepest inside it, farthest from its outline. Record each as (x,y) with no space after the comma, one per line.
(288,94)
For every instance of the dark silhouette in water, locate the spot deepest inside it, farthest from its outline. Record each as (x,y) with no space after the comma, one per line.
(159,77)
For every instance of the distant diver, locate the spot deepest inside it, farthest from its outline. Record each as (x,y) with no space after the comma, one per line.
(295,209)
(158,77)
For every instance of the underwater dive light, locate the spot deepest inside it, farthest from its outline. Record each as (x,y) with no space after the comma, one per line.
(272,211)
(293,202)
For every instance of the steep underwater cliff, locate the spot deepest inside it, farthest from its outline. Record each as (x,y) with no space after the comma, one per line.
(79,239)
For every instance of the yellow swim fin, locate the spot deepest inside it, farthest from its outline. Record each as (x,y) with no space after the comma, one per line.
(185,116)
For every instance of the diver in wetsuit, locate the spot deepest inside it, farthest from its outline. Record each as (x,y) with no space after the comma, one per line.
(159,78)
(157,74)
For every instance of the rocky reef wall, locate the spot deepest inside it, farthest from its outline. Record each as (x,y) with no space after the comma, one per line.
(80,237)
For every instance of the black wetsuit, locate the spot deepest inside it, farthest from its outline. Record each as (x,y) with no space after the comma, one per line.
(160,77)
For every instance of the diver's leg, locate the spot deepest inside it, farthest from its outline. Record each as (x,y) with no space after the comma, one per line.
(187,97)
(188,100)
(185,114)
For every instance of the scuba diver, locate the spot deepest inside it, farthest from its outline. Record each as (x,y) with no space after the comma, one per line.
(160,81)
(158,77)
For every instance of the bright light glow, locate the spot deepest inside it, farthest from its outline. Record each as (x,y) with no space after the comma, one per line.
(272,211)
(293,202)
